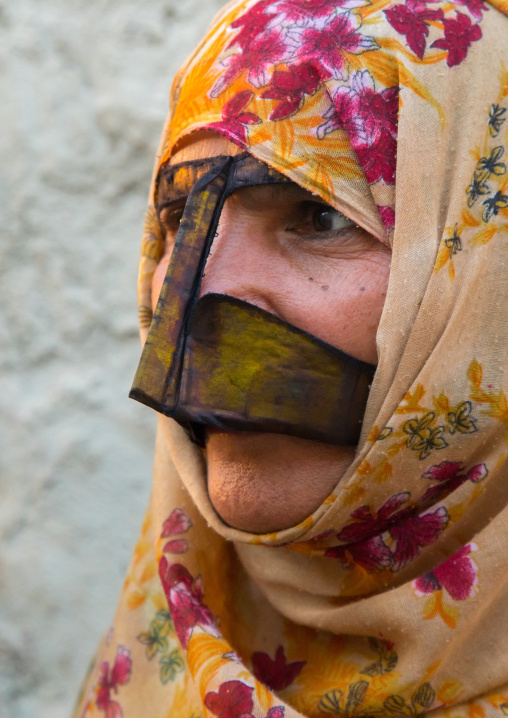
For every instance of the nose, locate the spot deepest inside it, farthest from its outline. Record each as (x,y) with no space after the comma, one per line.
(243,263)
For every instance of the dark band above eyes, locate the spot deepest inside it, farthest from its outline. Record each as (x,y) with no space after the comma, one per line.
(175,182)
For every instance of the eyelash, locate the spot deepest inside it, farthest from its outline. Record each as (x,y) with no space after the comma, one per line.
(301,221)
(307,213)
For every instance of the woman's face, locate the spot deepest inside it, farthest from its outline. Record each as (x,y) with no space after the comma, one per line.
(283,249)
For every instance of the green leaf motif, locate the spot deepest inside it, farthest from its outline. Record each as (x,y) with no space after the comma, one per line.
(164,616)
(155,640)
(423,436)
(387,662)
(496,119)
(331,702)
(424,697)
(171,664)
(396,705)
(491,165)
(461,420)
(375,669)
(356,695)
(390,662)
(380,668)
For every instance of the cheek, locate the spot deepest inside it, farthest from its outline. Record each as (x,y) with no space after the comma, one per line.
(364,298)
(366,309)
(343,304)
(158,279)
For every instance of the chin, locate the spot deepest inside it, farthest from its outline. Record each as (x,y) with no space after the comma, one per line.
(260,482)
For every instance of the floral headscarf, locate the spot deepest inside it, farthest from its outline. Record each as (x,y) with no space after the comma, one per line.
(392,598)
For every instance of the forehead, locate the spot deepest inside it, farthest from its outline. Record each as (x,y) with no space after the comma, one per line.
(203,145)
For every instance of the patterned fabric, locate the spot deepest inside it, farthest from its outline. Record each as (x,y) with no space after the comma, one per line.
(392,598)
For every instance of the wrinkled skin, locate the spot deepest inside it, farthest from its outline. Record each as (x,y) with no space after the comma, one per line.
(286,251)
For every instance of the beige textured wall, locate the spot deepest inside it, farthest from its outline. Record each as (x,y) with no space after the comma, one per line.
(83,88)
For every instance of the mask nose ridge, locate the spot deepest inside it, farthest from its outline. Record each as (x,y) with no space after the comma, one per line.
(238,267)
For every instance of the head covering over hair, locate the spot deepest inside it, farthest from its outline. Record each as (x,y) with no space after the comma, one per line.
(392,597)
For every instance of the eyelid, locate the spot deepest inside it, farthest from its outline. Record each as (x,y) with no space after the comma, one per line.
(305,212)
(322,203)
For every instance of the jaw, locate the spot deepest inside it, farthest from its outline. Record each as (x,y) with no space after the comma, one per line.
(261,482)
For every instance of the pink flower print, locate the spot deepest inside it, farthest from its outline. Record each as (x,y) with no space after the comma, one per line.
(276,674)
(176,546)
(276,712)
(326,45)
(233,700)
(450,475)
(411,20)
(185,600)
(475,7)
(363,549)
(257,58)
(370,118)
(264,52)
(342,119)
(372,555)
(459,33)
(298,10)
(290,87)
(177,523)
(409,533)
(234,109)
(477,473)
(376,147)
(387,216)
(415,533)
(457,576)
(234,117)
(110,680)
(368,523)
(348,100)
(253,22)
(379,110)
(379,162)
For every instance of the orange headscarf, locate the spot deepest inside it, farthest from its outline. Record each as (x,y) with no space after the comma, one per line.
(392,597)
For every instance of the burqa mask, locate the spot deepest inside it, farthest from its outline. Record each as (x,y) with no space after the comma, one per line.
(219,361)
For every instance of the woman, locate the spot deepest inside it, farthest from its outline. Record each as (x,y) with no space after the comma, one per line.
(291,564)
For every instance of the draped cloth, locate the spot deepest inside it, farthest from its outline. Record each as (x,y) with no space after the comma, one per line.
(392,597)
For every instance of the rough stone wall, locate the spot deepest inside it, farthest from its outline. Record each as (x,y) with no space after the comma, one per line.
(84,89)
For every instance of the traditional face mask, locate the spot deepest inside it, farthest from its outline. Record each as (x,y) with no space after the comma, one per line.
(222,362)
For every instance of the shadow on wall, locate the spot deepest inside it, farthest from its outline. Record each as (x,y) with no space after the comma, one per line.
(84,91)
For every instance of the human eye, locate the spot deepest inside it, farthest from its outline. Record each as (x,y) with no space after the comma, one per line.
(317,218)
(170,217)
(326,219)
